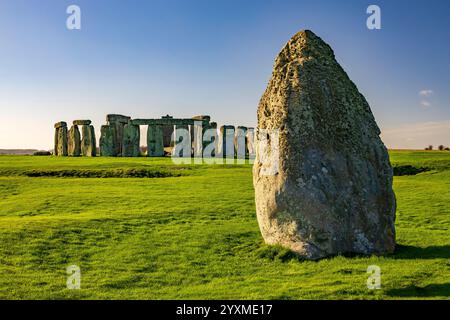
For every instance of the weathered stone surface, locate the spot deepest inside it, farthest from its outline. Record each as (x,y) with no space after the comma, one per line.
(60,124)
(155,146)
(210,140)
(88,142)
(113,118)
(225,145)
(61,140)
(130,142)
(81,122)
(333,190)
(181,137)
(74,142)
(240,142)
(203,118)
(197,131)
(165,121)
(107,138)
(117,122)
(251,142)
(168,135)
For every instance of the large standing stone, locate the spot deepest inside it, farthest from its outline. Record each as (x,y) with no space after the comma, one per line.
(197,131)
(168,133)
(117,122)
(251,143)
(131,139)
(333,190)
(155,146)
(210,140)
(88,143)
(107,139)
(181,138)
(225,145)
(61,139)
(240,142)
(74,142)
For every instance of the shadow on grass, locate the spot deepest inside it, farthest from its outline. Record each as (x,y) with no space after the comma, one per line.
(432,290)
(411,252)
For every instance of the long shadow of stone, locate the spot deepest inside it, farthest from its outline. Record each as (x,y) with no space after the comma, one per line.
(411,252)
(432,290)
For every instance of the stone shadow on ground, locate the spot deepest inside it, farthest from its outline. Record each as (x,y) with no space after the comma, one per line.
(412,252)
(431,290)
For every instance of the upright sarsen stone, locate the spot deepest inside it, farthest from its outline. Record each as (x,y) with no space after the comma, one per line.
(225,144)
(130,142)
(107,139)
(210,140)
(74,142)
(117,123)
(168,131)
(155,145)
(251,143)
(61,139)
(181,137)
(88,142)
(332,193)
(240,142)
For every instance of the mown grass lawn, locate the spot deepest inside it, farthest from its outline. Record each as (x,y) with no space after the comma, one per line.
(193,234)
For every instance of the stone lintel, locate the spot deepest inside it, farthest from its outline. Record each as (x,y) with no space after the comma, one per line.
(81,122)
(163,122)
(113,118)
(60,124)
(204,118)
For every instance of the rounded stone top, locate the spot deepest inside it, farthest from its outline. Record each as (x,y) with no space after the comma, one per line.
(304,46)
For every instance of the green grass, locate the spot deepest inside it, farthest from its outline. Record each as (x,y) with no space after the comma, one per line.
(191,233)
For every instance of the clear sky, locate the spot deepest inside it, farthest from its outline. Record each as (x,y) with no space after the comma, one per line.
(188,57)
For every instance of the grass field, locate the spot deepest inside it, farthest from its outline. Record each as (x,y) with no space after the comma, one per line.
(146,229)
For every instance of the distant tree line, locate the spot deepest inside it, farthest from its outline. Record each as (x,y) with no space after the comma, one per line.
(440,148)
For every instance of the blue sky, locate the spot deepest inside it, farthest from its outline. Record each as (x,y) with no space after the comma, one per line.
(187,57)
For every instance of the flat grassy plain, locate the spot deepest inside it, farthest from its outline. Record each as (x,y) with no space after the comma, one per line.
(142,228)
